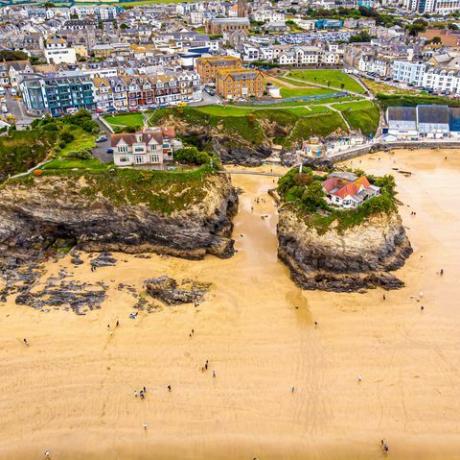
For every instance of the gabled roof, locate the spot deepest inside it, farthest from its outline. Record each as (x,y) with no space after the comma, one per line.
(401,114)
(149,134)
(433,114)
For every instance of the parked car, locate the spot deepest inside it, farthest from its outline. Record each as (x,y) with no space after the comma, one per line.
(109,150)
(102,138)
(4,108)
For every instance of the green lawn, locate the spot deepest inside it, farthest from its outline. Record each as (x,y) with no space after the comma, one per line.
(225,110)
(334,78)
(307,91)
(61,163)
(83,141)
(127,120)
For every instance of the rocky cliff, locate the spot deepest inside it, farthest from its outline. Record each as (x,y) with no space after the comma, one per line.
(361,257)
(228,143)
(35,213)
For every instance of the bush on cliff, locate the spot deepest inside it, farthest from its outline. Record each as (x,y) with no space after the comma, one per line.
(304,191)
(191,156)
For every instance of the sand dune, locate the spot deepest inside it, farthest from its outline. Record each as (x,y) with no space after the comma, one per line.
(72,390)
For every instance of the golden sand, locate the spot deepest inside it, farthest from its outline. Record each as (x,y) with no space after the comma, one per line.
(72,390)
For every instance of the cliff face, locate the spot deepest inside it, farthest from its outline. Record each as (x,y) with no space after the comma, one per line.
(231,148)
(54,208)
(360,258)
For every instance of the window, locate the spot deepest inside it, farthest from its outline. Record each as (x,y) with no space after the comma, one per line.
(123,148)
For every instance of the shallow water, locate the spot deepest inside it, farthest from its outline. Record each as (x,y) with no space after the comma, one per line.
(72,390)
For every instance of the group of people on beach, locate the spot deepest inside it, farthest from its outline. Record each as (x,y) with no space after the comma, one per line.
(141,393)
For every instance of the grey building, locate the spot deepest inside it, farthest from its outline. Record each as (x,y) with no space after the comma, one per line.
(402,121)
(433,119)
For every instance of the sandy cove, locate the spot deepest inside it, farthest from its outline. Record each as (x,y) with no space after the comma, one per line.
(72,390)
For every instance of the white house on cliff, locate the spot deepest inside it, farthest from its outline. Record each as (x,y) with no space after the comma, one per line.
(152,146)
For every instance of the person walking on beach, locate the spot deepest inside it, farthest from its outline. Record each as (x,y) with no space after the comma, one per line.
(25,341)
(169,388)
(47,454)
(384,446)
(442,271)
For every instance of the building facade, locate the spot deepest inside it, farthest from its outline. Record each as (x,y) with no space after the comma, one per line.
(57,94)
(239,83)
(207,67)
(152,146)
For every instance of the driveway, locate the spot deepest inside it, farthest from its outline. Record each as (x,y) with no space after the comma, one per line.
(100,151)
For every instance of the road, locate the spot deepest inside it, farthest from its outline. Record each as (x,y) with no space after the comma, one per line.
(16,107)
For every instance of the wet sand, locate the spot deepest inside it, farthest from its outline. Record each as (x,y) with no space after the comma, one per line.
(72,390)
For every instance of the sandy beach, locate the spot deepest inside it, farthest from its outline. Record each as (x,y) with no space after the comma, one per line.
(71,391)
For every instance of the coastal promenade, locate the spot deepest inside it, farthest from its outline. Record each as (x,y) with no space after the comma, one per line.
(379,145)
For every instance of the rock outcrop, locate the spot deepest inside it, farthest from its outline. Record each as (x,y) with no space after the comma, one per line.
(34,216)
(359,258)
(232,149)
(169,291)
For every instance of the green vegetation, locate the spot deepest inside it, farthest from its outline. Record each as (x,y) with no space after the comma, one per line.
(191,156)
(75,139)
(306,91)
(313,125)
(248,123)
(304,192)
(330,78)
(389,100)
(126,120)
(8,55)
(360,37)
(22,150)
(161,191)
(363,116)
(378,87)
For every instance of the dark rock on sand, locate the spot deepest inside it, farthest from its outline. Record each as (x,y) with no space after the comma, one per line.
(168,290)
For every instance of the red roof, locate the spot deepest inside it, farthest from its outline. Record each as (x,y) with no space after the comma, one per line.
(147,136)
(331,183)
(349,189)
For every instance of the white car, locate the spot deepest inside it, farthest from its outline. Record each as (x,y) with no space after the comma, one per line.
(4,108)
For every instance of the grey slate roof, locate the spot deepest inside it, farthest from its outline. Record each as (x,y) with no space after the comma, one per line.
(433,114)
(401,114)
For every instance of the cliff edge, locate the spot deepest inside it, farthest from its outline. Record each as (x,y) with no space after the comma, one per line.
(122,210)
(360,257)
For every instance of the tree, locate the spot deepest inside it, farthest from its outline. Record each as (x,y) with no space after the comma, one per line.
(419,25)
(9,55)
(191,155)
(124,26)
(361,37)
(436,40)
(313,197)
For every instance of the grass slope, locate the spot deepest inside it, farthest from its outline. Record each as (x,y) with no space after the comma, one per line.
(363,116)
(333,78)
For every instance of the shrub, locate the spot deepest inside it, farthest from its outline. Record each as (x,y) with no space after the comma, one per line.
(80,155)
(191,155)
(66,137)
